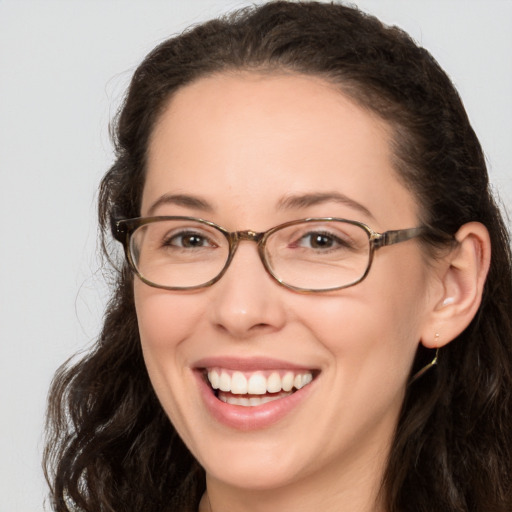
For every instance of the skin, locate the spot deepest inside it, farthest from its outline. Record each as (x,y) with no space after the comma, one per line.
(241,143)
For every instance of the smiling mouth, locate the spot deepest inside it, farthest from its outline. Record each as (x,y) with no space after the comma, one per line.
(251,389)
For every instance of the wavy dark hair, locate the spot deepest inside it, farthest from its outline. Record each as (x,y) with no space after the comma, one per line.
(110,445)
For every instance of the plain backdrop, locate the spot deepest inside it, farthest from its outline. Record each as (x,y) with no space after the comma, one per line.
(63,68)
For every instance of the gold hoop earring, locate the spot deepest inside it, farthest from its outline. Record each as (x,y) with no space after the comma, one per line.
(427,367)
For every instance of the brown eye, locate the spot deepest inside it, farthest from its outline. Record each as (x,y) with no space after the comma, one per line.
(188,240)
(321,240)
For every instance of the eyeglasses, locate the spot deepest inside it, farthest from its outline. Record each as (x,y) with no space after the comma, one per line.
(307,255)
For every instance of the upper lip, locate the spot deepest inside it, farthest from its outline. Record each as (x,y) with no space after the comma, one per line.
(248,364)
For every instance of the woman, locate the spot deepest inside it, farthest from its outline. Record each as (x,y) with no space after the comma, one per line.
(360,357)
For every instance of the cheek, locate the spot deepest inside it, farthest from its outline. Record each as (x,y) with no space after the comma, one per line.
(376,325)
(164,319)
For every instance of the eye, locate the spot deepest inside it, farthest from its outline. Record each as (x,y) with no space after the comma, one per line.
(188,240)
(317,240)
(322,240)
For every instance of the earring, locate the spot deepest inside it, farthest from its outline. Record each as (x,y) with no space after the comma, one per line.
(427,367)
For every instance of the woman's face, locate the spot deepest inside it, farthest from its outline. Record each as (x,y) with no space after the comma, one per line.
(235,149)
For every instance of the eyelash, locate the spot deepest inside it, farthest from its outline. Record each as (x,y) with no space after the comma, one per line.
(168,240)
(335,241)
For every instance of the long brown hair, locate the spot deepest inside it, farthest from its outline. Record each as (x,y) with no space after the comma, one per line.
(110,445)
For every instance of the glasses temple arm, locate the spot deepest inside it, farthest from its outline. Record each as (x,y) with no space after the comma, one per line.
(397,236)
(117,229)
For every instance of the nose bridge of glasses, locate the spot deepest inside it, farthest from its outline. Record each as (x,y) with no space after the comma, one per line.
(248,235)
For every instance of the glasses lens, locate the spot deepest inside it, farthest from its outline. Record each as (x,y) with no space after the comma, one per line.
(178,253)
(319,255)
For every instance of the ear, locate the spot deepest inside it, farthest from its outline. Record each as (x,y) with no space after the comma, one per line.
(462,273)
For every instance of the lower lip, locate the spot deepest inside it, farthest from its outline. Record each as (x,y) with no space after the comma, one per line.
(250,418)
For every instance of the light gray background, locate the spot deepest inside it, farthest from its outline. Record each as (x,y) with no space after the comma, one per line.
(63,68)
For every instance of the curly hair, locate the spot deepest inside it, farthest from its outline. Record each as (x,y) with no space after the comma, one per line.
(110,445)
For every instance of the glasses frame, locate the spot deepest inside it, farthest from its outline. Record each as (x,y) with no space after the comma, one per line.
(122,230)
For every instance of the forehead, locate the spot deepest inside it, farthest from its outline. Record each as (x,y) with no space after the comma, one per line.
(247,140)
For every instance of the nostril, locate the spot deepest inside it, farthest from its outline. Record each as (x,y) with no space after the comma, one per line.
(243,331)
(260,326)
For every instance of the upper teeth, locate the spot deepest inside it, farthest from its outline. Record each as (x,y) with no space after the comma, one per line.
(257,383)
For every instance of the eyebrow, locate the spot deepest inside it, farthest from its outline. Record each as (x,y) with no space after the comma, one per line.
(314,199)
(290,202)
(184,200)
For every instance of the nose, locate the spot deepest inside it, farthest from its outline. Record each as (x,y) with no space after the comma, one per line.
(246,301)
